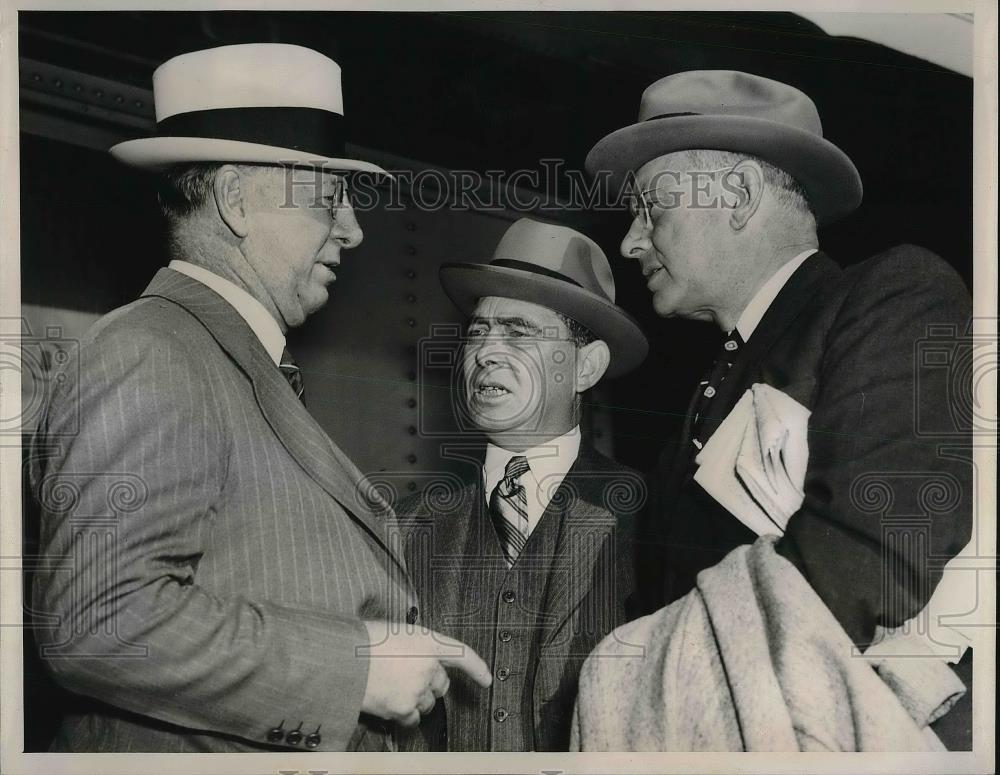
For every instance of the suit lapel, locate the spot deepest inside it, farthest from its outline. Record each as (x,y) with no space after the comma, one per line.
(816,272)
(301,436)
(457,540)
(450,543)
(586,529)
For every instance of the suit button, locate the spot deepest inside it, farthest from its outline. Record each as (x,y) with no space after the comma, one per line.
(503,674)
(505,636)
(313,740)
(508,595)
(294,737)
(500,714)
(412,614)
(275,735)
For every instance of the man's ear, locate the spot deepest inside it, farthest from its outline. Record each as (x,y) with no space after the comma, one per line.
(591,362)
(747,178)
(230,190)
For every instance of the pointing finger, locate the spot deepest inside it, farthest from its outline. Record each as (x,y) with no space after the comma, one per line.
(454,653)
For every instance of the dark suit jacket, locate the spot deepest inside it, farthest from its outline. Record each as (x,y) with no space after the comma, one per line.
(590,577)
(212,554)
(886,502)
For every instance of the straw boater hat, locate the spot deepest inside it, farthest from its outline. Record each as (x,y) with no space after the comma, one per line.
(731,111)
(557,268)
(257,103)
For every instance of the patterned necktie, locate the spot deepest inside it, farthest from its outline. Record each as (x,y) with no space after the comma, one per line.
(291,372)
(709,386)
(509,508)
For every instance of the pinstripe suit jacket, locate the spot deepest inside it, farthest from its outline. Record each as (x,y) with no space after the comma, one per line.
(212,552)
(450,544)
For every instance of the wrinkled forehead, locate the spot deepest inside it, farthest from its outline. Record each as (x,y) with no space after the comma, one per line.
(500,307)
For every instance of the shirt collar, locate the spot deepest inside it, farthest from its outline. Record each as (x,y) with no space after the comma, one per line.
(552,458)
(252,311)
(754,311)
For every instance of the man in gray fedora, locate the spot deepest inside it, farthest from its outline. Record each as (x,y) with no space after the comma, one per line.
(529,560)
(732,178)
(232,585)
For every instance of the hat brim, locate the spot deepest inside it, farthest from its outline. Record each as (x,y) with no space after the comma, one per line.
(465,284)
(159,152)
(826,173)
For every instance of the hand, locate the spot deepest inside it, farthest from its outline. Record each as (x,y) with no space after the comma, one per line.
(406,671)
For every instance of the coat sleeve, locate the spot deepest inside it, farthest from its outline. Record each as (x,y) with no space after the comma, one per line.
(128,490)
(886,505)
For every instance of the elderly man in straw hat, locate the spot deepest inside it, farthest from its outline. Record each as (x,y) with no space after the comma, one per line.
(732,178)
(529,561)
(232,586)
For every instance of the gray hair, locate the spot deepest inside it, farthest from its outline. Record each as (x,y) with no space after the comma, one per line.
(581,336)
(579,333)
(184,188)
(787,190)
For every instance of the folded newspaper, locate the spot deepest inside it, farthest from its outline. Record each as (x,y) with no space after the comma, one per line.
(755,464)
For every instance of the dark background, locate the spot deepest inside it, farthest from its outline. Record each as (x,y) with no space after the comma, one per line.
(486,91)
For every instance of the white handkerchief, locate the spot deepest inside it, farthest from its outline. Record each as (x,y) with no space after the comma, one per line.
(755,463)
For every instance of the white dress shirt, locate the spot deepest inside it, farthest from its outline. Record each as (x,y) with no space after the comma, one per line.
(754,311)
(548,464)
(252,311)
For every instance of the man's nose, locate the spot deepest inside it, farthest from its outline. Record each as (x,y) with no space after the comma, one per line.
(346,230)
(636,241)
(488,351)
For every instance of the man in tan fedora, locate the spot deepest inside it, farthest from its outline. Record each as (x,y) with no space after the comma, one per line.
(732,177)
(529,559)
(232,584)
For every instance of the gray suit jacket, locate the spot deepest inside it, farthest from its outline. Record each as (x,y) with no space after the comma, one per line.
(212,553)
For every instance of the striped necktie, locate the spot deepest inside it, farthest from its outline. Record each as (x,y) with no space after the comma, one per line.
(509,508)
(291,372)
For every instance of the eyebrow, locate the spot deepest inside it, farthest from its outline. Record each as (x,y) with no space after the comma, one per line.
(510,322)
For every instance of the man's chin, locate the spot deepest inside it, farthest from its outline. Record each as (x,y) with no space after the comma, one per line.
(664,309)
(315,301)
(495,419)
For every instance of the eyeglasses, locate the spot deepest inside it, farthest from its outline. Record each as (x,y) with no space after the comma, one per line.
(329,192)
(338,195)
(639,204)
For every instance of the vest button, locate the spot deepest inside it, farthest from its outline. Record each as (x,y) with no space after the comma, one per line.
(508,595)
(505,636)
(730,345)
(500,714)
(412,614)
(503,674)
(709,391)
